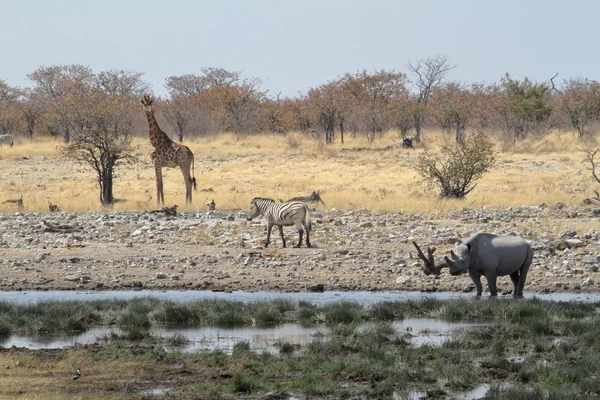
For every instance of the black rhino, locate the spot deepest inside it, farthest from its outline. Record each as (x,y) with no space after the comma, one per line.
(489,255)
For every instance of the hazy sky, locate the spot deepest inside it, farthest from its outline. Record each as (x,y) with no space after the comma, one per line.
(295,45)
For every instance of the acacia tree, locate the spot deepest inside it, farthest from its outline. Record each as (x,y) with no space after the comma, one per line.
(272,110)
(9,120)
(215,98)
(240,104)
(374,94)
(580,101)
(54,83)
(102,123)
(455,106)
(324,103)
(178,114)
(428,73)
(33,106)
(456,169)
(522,106)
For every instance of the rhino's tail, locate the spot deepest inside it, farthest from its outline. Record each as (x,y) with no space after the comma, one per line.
(528,260)
(523,272)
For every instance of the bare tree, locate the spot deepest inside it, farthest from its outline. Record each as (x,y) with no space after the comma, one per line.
(323,102)
(580,100)
(221,77)
(103,140)
(32,104)
(429,73)
(119,82)
(54,82)
(374,95)
(8,111)
(591,158)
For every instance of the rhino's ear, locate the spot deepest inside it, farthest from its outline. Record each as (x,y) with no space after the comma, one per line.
(469,247)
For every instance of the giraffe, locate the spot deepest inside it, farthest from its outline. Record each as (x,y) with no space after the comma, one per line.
(168,154)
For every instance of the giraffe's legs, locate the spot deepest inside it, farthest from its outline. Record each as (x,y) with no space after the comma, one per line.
(187,177)
(160,196)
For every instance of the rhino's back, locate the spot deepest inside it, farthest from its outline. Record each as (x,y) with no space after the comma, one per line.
(510,251)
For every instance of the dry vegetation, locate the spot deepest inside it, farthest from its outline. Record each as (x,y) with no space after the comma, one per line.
(231,170)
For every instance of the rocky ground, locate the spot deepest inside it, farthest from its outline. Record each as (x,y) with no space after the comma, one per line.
(213,250)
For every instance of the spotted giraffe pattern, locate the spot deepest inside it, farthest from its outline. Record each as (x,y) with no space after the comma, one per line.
(168,154)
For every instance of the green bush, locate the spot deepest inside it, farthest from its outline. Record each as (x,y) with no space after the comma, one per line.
(457,169)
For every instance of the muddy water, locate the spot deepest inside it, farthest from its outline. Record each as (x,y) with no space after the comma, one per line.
(366,298)
(478,392)
(418,331)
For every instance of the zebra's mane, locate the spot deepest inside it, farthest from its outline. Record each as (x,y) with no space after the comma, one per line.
(263,198)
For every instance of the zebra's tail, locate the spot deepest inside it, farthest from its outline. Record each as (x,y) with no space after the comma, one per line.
(308,220)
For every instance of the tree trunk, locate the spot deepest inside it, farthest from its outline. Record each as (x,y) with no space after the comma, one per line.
(106,187)
(67,135)
(460,135)
(329,128)
(418,131)
(30,127)
(342,130)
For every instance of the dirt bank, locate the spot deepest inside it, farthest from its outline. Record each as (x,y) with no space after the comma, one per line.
(222,251)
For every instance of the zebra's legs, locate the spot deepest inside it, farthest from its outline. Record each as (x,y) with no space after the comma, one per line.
(300,232)
(269,227)
(281,233)
(307,239)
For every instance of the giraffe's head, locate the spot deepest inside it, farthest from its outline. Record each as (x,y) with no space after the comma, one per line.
(147,102)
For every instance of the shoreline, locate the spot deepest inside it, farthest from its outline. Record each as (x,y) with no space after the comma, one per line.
(355,251)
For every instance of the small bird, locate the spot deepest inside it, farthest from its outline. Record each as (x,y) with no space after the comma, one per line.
(77,374)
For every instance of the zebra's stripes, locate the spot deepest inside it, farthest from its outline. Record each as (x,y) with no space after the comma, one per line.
(6,139)
(282,214)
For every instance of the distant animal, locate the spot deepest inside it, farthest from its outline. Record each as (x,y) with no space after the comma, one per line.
(211,205)
(53,207)
(18,202)
(407,143)
(168,154)
(7,139)
(77,374)
(282,214)
(315,197)
(490,255)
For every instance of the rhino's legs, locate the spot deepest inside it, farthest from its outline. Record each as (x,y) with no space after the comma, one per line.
(491,280)
(523,274)
(522,277)
(514,277)
(477,281)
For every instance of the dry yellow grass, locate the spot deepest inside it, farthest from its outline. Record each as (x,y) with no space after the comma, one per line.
(530,172)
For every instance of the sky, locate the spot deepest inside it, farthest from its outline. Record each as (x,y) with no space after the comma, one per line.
(293,46)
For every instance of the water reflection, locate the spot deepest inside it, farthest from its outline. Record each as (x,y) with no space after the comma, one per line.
(366,298)
(479,392)
(418,331)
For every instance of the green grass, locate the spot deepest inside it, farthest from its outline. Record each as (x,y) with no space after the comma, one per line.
(543,349)
(543,317)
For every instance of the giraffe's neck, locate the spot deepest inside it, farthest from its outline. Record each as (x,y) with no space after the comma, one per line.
(157,136)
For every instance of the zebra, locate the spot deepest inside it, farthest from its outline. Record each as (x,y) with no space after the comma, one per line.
(7,139)
(315,197)
(282,214)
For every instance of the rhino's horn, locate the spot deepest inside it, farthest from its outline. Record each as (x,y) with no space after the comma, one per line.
(454,257)
(449,261)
